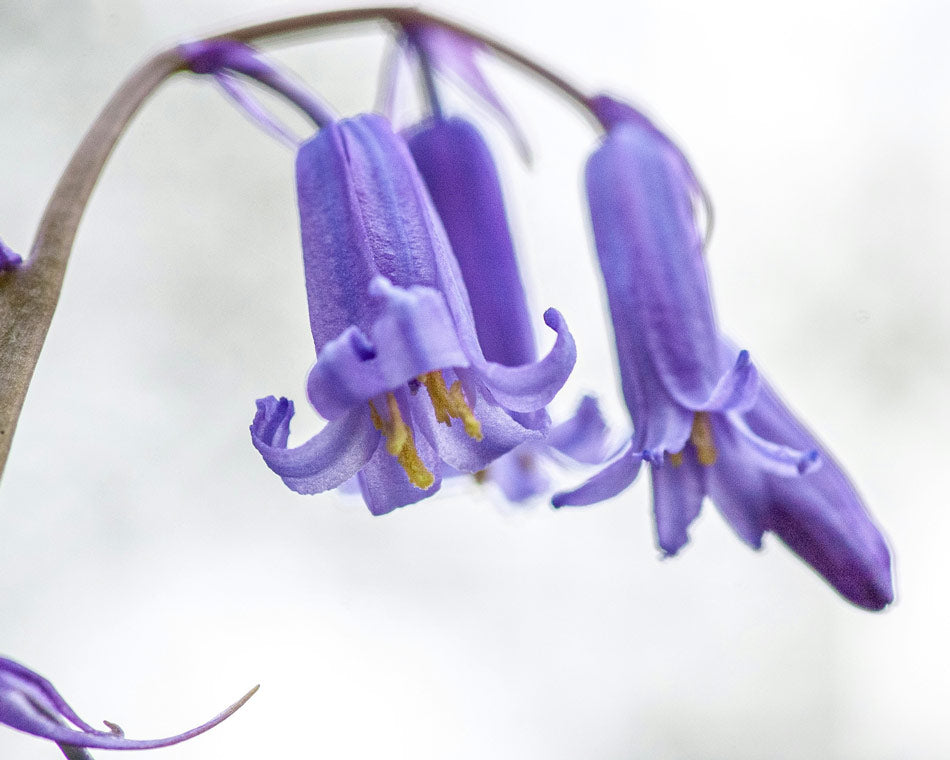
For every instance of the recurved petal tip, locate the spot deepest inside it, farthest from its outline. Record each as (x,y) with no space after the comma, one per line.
(619,473)
(328,459)
(532,386)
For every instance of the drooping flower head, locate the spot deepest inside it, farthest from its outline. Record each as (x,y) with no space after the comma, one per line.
(460,175)
(400,374)
(30,703)
(702,417)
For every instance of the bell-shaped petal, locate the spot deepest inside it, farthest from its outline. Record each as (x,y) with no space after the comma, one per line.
(678,492)
(461,177)
(818,514)
(618,473)
(650,252)
(612,112)
(30,703)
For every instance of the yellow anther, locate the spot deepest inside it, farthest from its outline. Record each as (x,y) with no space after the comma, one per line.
(450,402)
(399,432)
(702,438)
(677,458)
(439,394)
(400,443)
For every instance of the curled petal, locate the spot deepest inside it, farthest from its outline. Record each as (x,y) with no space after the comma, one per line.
(619,473)
(532,386)
(582,437)
(325,461)
(736,390)
(20,710)
(771,456)
(412,334)
(678,492)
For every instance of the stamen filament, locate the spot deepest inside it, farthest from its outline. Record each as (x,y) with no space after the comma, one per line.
(400,443)
(702,438)
(450,402)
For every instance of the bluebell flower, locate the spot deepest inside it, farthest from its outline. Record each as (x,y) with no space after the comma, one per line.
(30,703)
(460,175)
(400,374)
(703,418)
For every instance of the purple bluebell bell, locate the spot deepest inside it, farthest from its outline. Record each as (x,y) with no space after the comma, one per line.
(460,175)
(400,374)
(30,703)
(703,419)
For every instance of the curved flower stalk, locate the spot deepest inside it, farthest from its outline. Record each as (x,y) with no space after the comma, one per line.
(444,52)
(222,59)
(400,374)
(30,703)
(703,419)
(462,180)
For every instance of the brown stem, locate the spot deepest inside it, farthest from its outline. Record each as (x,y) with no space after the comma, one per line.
(28,295)
(402,15)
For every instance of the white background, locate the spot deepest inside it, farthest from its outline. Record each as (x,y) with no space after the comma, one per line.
(154,569)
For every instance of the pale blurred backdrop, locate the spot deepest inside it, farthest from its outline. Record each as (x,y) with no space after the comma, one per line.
(155,569)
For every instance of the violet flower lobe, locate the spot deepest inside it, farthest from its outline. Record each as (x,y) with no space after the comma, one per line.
(703,419)
(400,374)
(460,174)
(30,703)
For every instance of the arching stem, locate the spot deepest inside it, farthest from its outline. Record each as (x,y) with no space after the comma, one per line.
(29,294)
